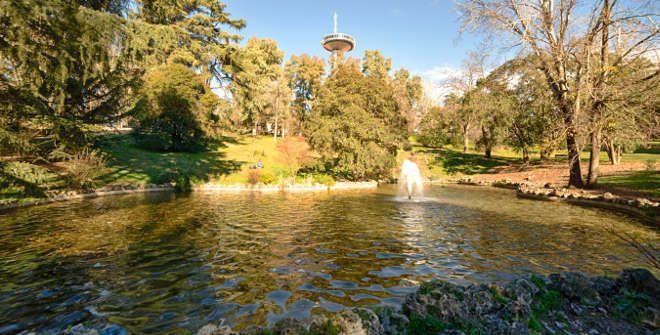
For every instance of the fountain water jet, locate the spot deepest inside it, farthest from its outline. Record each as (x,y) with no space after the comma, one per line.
(411,179)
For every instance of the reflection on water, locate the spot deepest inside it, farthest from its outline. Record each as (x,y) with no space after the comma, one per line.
(158,263)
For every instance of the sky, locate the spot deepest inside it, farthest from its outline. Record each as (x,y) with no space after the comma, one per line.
(420,35)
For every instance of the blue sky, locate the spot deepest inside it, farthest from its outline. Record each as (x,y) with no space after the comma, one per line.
(420,35)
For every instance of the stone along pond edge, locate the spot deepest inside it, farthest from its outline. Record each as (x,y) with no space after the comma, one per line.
(566,303)
(640,207)
(132,188)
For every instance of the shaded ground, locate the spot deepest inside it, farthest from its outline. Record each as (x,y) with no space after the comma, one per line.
(129,163)
(635,176)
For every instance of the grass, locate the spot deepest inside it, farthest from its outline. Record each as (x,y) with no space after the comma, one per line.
(643,181)
(450,162)
(130,164)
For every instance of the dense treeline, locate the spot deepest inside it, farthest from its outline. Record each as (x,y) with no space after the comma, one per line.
(582,81)
(175,72)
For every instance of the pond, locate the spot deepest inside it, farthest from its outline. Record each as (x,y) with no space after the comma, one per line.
(166,263)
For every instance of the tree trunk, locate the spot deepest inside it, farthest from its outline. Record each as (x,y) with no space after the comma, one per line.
(545,153)
(594,157)
(488,143)
(575,171)
(525,152)
(465,138)
(277,114)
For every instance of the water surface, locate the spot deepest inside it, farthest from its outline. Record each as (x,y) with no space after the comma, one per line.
(165,263)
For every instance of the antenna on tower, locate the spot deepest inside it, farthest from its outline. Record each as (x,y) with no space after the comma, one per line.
(335,19)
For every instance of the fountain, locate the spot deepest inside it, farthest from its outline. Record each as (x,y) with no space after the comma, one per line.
(411,179)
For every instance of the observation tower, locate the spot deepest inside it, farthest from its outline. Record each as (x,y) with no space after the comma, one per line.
(338,42)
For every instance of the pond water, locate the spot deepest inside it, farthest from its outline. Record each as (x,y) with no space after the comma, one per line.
(165,263)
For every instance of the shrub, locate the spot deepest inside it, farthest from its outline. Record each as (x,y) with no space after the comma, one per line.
(83,168)
(26,178)
(323,179)
(294,152)
(267,178)
(254,176)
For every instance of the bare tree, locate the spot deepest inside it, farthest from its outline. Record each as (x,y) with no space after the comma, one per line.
(464,84)
(561,40)
(621,37)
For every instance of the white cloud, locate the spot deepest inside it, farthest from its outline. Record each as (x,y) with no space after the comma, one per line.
(436,81)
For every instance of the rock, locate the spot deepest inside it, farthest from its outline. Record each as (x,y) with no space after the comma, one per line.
(211,329)
(608,196)
(113,330)
(80,329)
(575,286)
(603,285)
(639,280)
(520,288)
(358,321)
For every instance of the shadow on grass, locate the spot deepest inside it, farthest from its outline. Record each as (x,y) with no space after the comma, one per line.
(129,163)
(638,183)
(465,163)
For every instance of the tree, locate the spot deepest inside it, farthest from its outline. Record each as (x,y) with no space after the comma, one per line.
(374,64)
(255,67)
(169,109)
(553,32)
(409,93)
(435,128)
(465,84)
(357,127)
(58,74)
(305,77)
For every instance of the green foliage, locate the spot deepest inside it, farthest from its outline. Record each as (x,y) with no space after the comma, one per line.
(497,295)
(631,305)
(323,179)
(182,183)
(434,129)
(84,168)
(305,74)
(547,301)
(357,128)
(538,281)
(534,324)
(267,178)
(254,68)
(425,325)
(169,110)
(22,179)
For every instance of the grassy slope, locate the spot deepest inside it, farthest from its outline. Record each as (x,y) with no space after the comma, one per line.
(227,163)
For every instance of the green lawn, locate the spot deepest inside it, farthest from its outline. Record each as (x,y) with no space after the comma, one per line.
(225,163)
(643,181)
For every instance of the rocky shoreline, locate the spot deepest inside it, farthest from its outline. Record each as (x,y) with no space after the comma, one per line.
(134,188)
(642,207)
(567,303)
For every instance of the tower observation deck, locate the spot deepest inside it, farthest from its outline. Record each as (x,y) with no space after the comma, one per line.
(338,41)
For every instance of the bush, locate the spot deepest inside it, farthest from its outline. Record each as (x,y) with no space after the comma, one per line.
(323,179)
(254,176)
(84,168)
(267,178)
(294,152)
(25,178)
